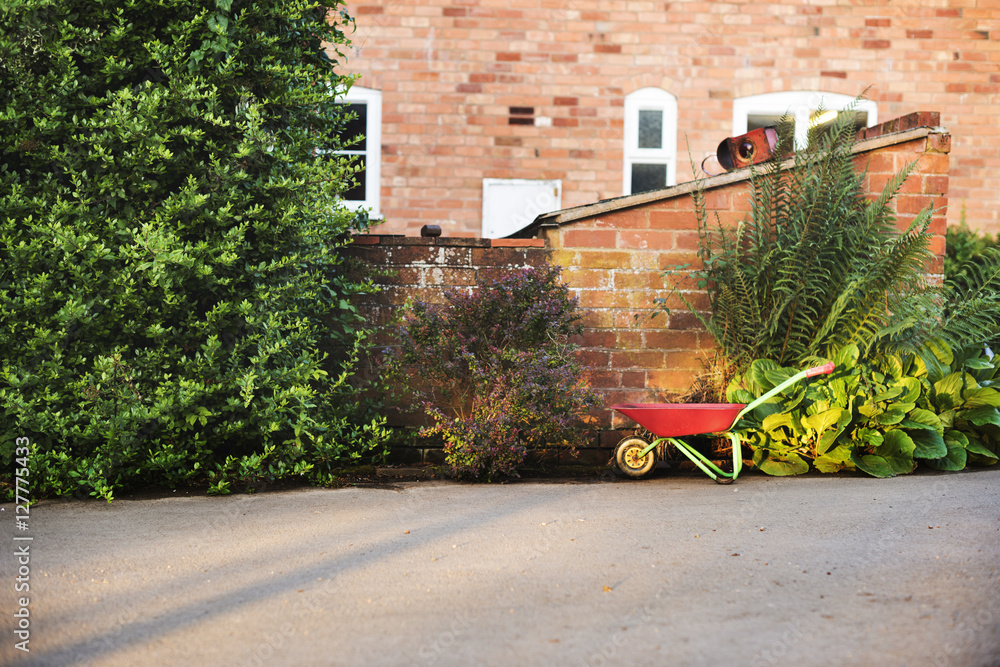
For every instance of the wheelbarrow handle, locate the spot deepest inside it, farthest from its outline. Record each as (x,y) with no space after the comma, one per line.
(821,370)
(798,377)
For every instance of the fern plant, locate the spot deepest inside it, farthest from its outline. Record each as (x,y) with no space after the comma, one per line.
(972,311)
(964,244)
(816,265)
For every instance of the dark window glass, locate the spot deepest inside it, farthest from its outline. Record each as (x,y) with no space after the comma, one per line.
(786,130)
(358,125)
(650,128)
(357,193)
(755,121)
(647,177)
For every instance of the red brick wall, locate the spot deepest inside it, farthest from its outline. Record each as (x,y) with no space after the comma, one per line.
(421,268)
(449,71)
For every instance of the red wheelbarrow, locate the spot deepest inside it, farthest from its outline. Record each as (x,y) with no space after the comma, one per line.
(668,421)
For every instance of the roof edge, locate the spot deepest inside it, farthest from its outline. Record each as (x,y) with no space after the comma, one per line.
(567,215)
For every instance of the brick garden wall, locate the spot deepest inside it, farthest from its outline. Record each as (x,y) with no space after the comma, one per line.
(451,70)
(613,254)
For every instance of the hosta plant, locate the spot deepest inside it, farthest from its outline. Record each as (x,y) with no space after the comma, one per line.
(882,416)
(965,394)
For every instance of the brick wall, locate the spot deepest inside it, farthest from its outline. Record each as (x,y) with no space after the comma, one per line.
(420,268)
(450,71)
(613,254)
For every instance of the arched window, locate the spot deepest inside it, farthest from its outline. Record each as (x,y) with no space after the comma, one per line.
(804,108)
(650,140)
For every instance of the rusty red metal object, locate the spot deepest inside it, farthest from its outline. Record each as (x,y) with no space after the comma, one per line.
(753,147)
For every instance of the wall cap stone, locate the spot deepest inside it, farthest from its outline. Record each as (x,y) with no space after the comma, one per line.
(444,241)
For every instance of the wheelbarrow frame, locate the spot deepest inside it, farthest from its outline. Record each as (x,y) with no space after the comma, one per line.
(690,452)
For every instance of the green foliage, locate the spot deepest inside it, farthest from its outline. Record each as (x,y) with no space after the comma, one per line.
(494,369)
(882,416)
(815,266)
(173,305)
(971,314)
(963,245)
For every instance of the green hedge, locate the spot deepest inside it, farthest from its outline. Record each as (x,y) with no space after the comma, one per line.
(173,305)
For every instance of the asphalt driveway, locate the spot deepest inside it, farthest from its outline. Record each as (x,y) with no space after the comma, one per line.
(675,570)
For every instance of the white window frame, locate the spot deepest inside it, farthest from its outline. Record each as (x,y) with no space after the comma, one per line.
(799,105)
(649,99)
(373,148)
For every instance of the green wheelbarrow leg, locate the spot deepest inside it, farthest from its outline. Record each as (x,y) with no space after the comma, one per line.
(686,450)
(701,461)
(737,457)
(689,452)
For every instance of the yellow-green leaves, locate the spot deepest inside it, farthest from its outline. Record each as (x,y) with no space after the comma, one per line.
(881,416)
(893,456)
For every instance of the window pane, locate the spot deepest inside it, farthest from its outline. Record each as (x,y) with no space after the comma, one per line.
(647,177)
(357,193)
(755,121)
(356,126)
(650,128)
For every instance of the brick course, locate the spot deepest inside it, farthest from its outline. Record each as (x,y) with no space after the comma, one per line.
(450,72)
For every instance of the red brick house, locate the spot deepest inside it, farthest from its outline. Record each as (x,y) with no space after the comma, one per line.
(483,114)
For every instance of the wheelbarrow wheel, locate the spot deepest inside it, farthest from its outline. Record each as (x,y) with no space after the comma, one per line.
(629,461)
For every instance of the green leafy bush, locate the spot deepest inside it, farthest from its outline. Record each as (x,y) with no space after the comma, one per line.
(882,416)
(972,266)
(815,265)
(494,369)
(962,245)
(173,305)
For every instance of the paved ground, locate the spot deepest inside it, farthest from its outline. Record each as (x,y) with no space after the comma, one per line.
(676,570)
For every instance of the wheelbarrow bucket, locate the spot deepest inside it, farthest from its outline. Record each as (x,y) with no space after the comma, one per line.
(677,419)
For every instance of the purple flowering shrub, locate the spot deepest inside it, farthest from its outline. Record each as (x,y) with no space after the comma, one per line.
(494,369)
